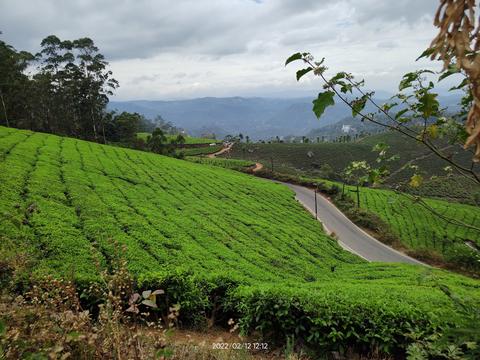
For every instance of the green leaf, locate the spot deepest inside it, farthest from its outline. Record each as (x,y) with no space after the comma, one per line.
(338,76)
(294,57)
(323,100)
(407,80)
(358,105)
(428,104)
(302,72)
(426,53)
(400,113)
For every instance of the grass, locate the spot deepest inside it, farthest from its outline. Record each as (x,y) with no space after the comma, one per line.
(220,243)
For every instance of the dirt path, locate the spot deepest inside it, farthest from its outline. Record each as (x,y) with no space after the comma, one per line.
(222,151)
(257,167)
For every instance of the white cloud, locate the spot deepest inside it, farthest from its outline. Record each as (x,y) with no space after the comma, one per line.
(178,49)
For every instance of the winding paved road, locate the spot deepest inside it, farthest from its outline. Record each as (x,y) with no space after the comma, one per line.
(349,235)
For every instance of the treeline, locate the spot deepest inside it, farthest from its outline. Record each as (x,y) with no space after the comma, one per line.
(64,90)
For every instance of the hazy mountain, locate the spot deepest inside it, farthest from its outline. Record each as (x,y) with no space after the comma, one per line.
(256,117)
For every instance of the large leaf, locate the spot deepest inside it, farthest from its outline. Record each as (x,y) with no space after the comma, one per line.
(426,53)
(294,57)
(302,72)
(407,80)
(323,100)
(428,104)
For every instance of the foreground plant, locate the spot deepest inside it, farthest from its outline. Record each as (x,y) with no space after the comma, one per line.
(48,321)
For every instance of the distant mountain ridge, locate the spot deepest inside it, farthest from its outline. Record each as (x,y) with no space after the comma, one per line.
(257,117)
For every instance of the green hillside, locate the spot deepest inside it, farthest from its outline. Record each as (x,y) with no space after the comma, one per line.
(308,160)
(211,238)
(419,228)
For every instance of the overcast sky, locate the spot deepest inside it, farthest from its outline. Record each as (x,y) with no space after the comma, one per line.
(167,49)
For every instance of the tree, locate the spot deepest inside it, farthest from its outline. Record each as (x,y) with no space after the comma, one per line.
(67,94)
(125,127)
(13,83)
(157,142)
(180,139)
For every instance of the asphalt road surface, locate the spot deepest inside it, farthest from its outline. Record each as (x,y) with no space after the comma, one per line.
(349,235)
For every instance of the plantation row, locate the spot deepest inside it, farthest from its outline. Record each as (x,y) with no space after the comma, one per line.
(200,150)
(419,227)
(96,193)
(221,162)
(212,239)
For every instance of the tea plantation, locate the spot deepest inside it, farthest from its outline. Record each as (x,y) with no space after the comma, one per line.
(418,227)
(220,243)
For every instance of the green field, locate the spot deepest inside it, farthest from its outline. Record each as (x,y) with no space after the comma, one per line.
(204,150)
(208,236)
(188,139)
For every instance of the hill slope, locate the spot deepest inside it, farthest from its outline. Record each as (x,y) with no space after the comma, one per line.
(212,238)
(307,159)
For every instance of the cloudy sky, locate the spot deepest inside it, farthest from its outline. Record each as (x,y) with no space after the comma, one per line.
(172,49)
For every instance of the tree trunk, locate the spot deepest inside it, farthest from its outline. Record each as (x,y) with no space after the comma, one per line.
(4,109)
(103,133)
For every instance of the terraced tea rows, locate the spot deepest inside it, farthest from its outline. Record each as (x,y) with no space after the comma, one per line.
(419,227)
(165,211)
(222,162)
(209,237)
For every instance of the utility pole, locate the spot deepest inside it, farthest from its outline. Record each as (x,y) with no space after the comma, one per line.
(358,197)
(316,212)
(271,161)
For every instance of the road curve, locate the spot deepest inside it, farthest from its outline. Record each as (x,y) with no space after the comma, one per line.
(349,235)
(226,148)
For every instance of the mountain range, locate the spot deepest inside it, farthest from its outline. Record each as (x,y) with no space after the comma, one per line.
(259,118)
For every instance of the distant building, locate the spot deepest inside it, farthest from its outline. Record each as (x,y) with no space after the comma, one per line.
(347,128)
